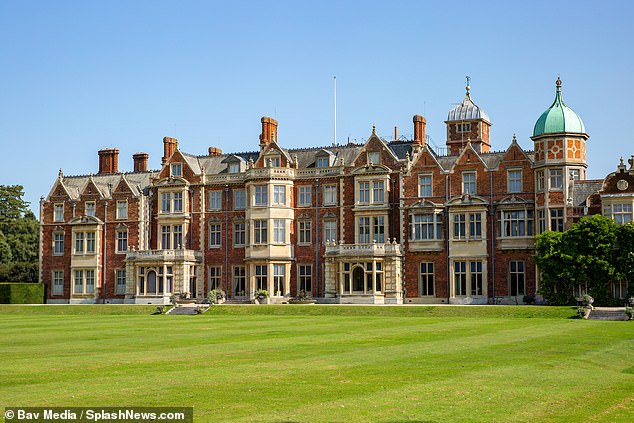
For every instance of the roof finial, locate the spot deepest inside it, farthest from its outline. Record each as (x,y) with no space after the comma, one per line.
(373,129)
(468,78)
(60,175)
(514,138)
(558,83)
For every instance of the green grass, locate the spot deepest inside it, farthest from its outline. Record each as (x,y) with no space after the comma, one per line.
(323,363)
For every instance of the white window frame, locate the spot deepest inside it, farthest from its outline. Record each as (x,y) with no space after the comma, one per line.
(426,226)
(122,209)
(239,199)
(556,179)
(58,212)
(425,189)
(516,223)
(260,231)
(426,279)
(90,208)
(279,195)
(330,231)
(239,234)
(463,127)
(234,167)
(261,277)
(515,274)
(58,243)
(261,195)
(120,240)
(215,234)
(57,283)
(374,157)
(330,195)
(279,279)
(322,162)
(239,280)
(305,279)
(176,169)
(539,175)
(215,277)
(304,231)
(120,284)
(215,200)
(557,219)
(279,231)
(469,185)
(304,196)
(514,177)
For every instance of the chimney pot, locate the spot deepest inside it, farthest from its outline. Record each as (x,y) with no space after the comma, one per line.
(215,151)
(419,129)
(108,161)
(140,161)
(269,130)
(169,146)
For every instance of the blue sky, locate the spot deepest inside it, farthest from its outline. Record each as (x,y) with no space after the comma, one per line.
(84,75)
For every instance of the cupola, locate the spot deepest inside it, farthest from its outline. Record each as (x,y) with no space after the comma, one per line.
(558,118)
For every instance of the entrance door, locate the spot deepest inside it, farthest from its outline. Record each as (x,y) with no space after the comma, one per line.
(151,283)
(357,279)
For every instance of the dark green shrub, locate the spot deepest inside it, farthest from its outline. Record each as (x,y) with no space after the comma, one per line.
(21,293)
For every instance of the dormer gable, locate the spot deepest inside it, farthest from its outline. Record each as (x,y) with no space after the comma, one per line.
(272,155)
(91,189)
(235,164)
(180,165)
(469,156)
(376,150)
(425,159)
(515,152)
(324,158)
(123,187)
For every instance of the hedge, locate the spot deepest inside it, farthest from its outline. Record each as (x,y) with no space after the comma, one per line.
(21,293)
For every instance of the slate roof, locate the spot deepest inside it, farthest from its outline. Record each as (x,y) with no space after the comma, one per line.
(106,183)
(584,189)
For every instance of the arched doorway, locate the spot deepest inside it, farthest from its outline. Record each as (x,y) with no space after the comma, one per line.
(357,279)
(151,282)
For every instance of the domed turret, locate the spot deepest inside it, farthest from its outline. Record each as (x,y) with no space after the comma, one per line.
(558,118)
(468,123)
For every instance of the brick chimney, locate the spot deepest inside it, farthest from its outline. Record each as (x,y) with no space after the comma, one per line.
(169,146)
(140,161)
(215,151)
(108,161)
(269,130)
(419,130)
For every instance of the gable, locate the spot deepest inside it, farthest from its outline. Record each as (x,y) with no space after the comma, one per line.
(374,144)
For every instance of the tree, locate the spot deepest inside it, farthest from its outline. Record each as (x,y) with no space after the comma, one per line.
(625,253)
(19,237)
(586,254)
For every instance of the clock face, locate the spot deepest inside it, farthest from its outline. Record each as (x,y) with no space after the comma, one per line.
(622,184)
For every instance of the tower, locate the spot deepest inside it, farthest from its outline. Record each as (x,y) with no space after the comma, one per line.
(467,122)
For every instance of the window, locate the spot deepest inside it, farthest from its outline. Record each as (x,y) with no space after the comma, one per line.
(541,217)
(330,195)
(476,277)
(279,231)
(90,208)
(177,169)
(279,194)
(364,192)
(374,157)
(215,235)
(330,231)
(305,195)
(261,195)
(234,167)
(279,273)
(178,202)
(84,282)
(557,220)
(424,185)
(475,226)
(517,278)
(58,213)
(516,223)
(323,162)
(463,127)
(460,226)
(468,182)
(120,287)
(305,230)
(426,227)
(460,277)
(575,175)
(556,179)
(273,161)
(122,240)
(58,282)
(259,232)
(261,281)
(166,237)
(426,279)
(540,180)
(239,233)
(378,225)
(177,235)
(378,192)
(619,290)
(515,180)
(215,200)
(79,242)
(166,202)
(305,279)
(239,280)
(165,280)
(621,213)
(239,199)
(364,230)
(122,209)
(215,277)
(58,243)
(358,277)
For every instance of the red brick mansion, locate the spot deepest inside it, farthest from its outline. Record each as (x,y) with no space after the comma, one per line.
(386,221)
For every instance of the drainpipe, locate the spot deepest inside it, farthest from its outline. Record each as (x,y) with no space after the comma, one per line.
(447,227)
(317,238)
(492,214)
(227,240)
(191,219)
(104,250)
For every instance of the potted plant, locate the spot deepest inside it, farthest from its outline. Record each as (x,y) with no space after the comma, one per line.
(217,296)
(261,295)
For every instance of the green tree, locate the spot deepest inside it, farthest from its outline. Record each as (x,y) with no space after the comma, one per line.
(19,237)
(586,254)
(625,254)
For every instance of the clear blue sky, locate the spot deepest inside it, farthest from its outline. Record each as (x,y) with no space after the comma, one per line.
(84,75)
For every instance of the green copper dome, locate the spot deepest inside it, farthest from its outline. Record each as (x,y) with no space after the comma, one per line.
(558,118)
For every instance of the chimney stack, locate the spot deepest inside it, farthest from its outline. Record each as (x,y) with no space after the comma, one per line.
(215,151)
(108,161)
(395,133)
(419,130)
(140,161)
(169,146)
(269,130)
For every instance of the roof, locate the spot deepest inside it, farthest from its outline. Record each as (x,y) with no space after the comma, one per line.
(558,118)
(107,183)
(584,189)
(467,110)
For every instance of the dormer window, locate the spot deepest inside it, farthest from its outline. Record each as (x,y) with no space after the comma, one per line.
(234,167)
(89,208)
(374,157)
(58,213)
(177,169)
(463,127)
(323,162)
(272,161)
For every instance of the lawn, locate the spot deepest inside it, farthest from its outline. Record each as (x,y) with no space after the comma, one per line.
(323,363)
